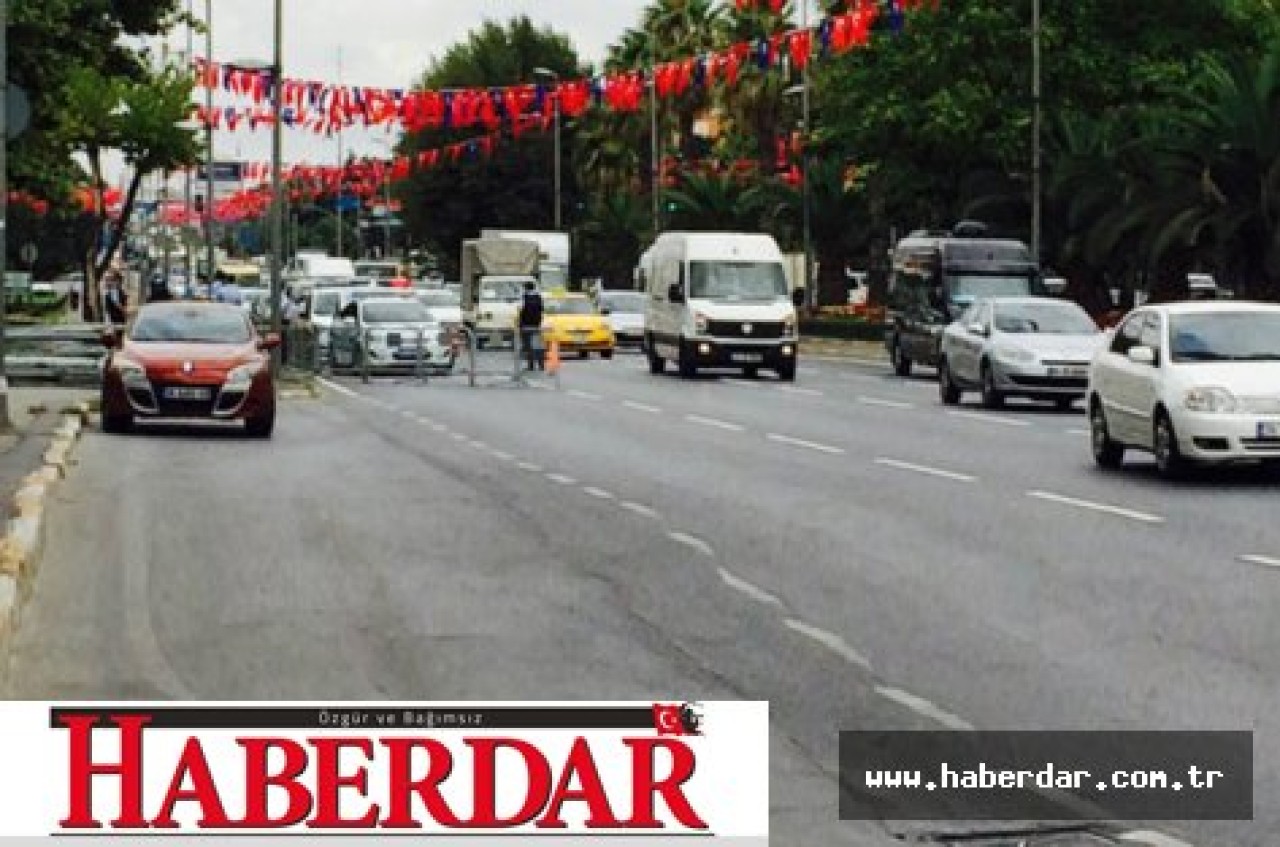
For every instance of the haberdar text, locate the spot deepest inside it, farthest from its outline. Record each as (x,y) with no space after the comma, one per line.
(124,775)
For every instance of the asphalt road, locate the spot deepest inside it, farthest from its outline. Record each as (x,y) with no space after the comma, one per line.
(845,548)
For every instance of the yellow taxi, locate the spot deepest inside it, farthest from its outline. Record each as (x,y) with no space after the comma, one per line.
(576,325)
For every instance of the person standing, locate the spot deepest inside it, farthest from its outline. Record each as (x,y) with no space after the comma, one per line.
(115,299)
(530,324)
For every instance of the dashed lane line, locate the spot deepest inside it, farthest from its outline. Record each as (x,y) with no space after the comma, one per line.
(1078,432)
(692,542)
(583,395)
(924,708)
(1260,560)
(830,640)
(715,423)
(642,407)
(795,389)
(925,469)
(985,418)
(639,509)
(598,493)
(1151,838)
(1102,508)
(529,466)
(887,404)
(333,386)
(807,445)
(457,436)
(501,456)
(561,479)
(753,591)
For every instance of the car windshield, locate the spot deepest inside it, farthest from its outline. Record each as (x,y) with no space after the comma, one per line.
(376,271)
(965,288)
(439,299)
(623,303)
(1052,317)
(569,306)
(196,326)
(1225,337)
(406,311)
(737,280)
(505,290)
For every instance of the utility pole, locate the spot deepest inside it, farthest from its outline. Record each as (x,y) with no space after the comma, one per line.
(1036,209)
(555,105)
(187,240)
(655,151)
(810,288)
(277,223)
(341,168)
(210,257)
(5,423)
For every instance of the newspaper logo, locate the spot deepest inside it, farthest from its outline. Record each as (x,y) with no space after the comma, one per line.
(677,718)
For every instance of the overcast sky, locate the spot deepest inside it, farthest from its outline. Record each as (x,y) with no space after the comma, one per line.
(380,43)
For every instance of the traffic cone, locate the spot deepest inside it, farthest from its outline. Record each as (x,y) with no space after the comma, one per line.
(553,356)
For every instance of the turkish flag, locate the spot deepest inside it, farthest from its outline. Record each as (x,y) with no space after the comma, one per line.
(667,719)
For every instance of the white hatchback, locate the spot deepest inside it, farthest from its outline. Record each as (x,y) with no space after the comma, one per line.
(1195,382)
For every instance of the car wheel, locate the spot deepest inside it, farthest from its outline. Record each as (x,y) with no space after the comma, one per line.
(992,398)
(606,354)
(1107,453)
(787,372)
(751,372)
(261,426)
(1164,444)
(686,366)
(947,388)
(901,364)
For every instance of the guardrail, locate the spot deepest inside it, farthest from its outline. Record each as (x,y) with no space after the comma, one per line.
(71,355)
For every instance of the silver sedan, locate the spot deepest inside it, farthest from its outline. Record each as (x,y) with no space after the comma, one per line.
(1034,347)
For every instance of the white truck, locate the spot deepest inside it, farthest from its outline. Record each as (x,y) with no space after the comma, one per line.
(554,252)
(719,300)
(494,274)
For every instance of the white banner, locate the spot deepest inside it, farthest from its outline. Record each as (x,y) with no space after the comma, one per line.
(564,772)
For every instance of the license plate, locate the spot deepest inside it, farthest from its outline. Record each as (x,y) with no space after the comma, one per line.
(746,357)
(187,394)
(1269,429)
(580,336)
(1070,373)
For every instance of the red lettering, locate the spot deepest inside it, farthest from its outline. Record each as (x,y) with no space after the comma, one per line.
(82,769)
(329,783)
(203,791)
(258,782)
(580,764)
(645,787)
(486,782)
(403,786)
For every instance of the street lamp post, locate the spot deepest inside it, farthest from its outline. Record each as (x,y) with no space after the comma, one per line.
(1036,210)
(210,258)
(655,148)
(5,423)
(555,105)
(806,201)
(277,223)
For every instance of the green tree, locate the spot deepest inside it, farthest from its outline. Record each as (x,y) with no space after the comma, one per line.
(611,237)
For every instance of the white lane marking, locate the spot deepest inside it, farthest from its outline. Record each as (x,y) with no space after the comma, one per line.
(439,427)
(888,404)
(1151,838)
(795,389)
(1131,514)
(582,395)
(985,418)
(1263,561)
(693,542)
(642,407)
(333,386)
(457,436)
(923,707)
(639,509)
(924,469)
(424,421)
(754,592)
(830,640)
(598,493)
(405,413)
(1078,432)
(561,479)
(808,445)
(743,383)
(714,422)
(530,467)
(479,445)
(501,456)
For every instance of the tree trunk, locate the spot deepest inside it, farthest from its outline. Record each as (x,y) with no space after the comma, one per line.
(833,289)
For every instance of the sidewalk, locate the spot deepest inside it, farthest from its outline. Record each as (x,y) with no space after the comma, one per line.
(35,413)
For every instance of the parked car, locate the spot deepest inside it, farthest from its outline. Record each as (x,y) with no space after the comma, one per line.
(574,323)
(1034,347)
(189,360)
(383,333)
(625,310)
(1192,382)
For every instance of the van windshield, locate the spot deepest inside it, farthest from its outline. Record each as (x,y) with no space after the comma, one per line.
(737,280)
(501,290)
(965,288)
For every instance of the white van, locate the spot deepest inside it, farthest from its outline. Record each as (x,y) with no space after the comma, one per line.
(309,269)
(718,300)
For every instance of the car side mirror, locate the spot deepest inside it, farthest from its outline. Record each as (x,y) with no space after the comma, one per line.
(675,293)
(979,329)
(1142,355)
(270,341)
(798,298)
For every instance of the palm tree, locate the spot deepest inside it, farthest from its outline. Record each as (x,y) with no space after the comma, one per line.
(610,241)
(710,201)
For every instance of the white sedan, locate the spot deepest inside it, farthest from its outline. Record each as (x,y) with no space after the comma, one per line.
(1189,382)
(1035,347)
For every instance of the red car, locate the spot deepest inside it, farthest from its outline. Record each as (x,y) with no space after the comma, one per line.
(190,360)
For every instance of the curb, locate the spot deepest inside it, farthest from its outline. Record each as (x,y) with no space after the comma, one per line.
(23,541)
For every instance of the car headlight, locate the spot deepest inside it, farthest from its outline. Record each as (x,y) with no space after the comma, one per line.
(699,322)
(131,373)
(1209,399)
(240,378)
(1015,354)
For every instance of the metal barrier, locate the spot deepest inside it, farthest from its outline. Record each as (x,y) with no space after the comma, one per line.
(490,367)
(351,352)
(71,355)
